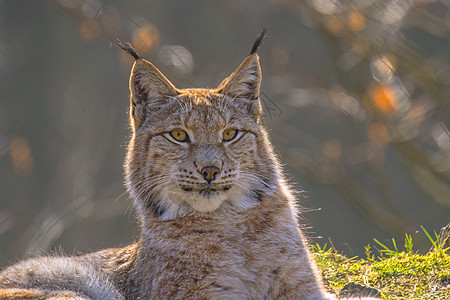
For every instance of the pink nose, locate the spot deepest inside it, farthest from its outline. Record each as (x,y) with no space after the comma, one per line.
(210,172)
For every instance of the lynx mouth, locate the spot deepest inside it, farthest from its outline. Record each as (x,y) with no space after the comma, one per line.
(208,190)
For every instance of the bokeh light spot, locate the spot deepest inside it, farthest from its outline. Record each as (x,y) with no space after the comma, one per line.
(90,30)
(356,21)
(327,7)
(179,57)
(21,157)
(383,67)
(145,38)
(384,99)
(333,24)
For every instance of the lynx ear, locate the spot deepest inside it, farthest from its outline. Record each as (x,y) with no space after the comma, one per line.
(149,89)
(245,81)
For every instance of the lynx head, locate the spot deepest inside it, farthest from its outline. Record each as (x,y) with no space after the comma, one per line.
(196,151)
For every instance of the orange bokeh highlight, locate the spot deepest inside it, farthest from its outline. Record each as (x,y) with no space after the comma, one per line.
(384,99)
(90,30)
(145,38)
(333,24)
(356,21)
(20,155)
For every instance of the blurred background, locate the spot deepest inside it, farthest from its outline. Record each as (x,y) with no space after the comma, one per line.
(356,95)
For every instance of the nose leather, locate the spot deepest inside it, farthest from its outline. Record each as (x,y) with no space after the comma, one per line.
(209,173)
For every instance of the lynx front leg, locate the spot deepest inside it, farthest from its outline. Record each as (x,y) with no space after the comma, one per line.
(36,294)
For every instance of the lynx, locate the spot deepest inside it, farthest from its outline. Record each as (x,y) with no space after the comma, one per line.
(217,219)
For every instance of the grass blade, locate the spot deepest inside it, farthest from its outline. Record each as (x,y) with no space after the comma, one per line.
(429,236)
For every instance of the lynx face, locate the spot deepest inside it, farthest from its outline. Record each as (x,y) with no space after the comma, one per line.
(196,150)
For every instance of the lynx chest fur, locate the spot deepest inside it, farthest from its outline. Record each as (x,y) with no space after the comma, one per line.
(252,254)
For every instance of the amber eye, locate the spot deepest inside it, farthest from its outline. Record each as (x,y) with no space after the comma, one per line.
(229,134)
(180,135)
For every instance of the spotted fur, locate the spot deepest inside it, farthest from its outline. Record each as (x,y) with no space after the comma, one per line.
(233,237)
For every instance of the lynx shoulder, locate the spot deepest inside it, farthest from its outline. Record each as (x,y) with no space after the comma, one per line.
(217,219)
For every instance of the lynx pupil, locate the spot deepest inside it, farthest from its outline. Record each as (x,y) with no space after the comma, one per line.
(179,135)
(229,134)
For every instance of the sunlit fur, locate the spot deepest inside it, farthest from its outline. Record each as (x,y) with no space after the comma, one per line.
(163,175)
(168,171)
(233,237)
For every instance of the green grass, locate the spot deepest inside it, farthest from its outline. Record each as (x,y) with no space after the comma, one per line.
(397,274)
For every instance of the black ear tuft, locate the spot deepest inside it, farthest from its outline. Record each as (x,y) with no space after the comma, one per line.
(259,39)
(127,47)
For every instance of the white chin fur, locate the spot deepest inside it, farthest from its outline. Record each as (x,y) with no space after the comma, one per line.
(203,204)
(180,204)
